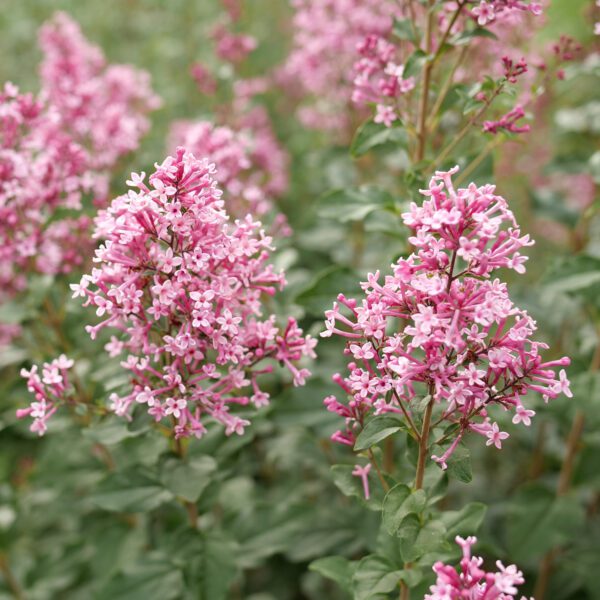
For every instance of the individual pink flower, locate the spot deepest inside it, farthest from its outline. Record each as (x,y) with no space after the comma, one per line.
(442,324)
(193,335)
(484,13)
(472,580)
(363,473)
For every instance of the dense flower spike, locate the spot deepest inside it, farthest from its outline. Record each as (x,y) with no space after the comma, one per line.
(441,325)
(50,389)
(104,107)
(473,581)
(319,68)
(183,286)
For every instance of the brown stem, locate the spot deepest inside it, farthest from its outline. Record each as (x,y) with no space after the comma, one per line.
(446,87)
(388,455)
(421,123)
(404,591)
(461,134)
(373,460)
(10,579)
(446,33)
(537,462)
(190,507)
(423,445)
(488,148)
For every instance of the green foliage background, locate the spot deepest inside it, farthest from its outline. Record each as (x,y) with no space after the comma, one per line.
(97,512)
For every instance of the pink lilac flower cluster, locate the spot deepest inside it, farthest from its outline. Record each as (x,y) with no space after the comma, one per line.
(513,69)
(380,79)
(42,171)
(441,325)
(474,582)
(508,122)
(486,12)
(205,80)
(104,107)
(319,68)
(50,389)
(183,287)
(248,183)
(232,47)
(55,151)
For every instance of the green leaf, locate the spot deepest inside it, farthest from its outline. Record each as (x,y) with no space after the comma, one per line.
(464,37)
(459,463)
(14,312)
(375,576)
(320,293)
(188,479)
(214,567)
(539,521)
(152,579)
(465,521)
(350,485)
(377,429)
(576,275)
(403,29)
(399,502)
(336,568)
(431,538)
(11,355)
(354,204)
(408,532)
(133,490)
(414,63)
(371,135)
(109,431)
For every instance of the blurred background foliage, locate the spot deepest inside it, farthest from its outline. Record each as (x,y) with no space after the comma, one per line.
(91,513)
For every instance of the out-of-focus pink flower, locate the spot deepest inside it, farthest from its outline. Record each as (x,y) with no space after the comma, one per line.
(508,122)
(104,107)
(379,79)
(204,79)
(319,68)
(56,150)
(231,46)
